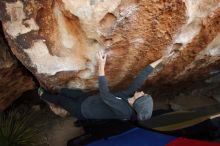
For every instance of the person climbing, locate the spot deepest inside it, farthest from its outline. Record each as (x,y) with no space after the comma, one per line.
(129,104)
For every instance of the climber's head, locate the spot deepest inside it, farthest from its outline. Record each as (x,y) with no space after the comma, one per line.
(142,104)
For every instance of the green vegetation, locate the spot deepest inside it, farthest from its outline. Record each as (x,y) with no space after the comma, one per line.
(19,129)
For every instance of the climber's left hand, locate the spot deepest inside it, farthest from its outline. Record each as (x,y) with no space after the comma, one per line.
(101,58)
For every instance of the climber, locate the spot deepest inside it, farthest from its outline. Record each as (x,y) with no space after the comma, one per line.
(128,104)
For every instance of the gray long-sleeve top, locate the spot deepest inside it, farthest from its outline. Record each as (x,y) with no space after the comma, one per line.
(109,105)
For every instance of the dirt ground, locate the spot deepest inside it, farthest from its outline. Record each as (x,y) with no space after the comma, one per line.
(61,132)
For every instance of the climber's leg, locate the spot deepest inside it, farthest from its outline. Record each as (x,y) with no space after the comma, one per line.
(72,93)
(69,104)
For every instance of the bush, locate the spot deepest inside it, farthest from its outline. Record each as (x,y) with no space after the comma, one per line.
(19,129)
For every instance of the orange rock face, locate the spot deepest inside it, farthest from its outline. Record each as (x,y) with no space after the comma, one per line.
(57,39)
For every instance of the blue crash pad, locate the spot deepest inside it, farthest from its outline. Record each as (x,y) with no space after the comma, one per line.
(135,137)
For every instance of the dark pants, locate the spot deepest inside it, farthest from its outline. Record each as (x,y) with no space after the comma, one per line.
(68,99)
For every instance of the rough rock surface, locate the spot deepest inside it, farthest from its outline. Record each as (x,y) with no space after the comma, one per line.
(57,39)
(14,78)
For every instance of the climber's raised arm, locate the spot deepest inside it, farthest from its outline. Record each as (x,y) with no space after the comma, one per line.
(117,105)
(139,79)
